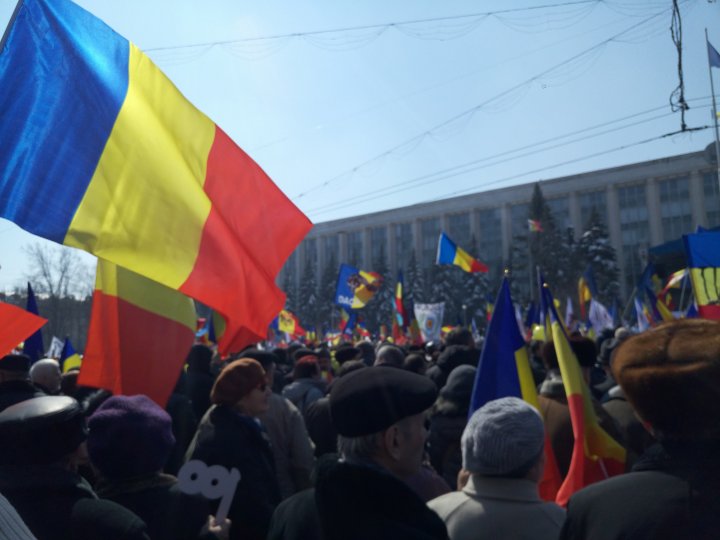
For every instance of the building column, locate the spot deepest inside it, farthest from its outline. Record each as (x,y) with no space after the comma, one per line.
(417,241)
(697,201)
(575,215)
(342,248)
(506,228)
(612,207)
(391,248)
(367,261)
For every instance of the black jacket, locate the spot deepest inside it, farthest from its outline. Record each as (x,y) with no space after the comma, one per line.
(673,492)
(60,505)
(12,392)
(354,502)
(225,437)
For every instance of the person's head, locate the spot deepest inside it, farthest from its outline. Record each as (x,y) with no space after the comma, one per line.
(324,361)
(46,374)
(129,436)
(307,368)
(458,389)
(48,430)
(671,377)
(379,416)
(457,355)
(416,363)
(345,353)
(14,367)
(389,355)
(460,336)
(504,438)
(266,359)
(242,385)
(367,352)
(199,358)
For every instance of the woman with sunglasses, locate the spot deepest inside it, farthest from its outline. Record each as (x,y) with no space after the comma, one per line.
(231,435)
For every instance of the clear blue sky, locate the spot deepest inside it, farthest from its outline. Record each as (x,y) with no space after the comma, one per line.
(316,111)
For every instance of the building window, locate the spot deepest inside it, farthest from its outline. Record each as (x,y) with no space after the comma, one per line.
(429,235)
(403,244)
(378,244)
(592,202)
(355,248)
(634,230)
(459,230)
(712,199)
(490,241)
(519,215)
(560,209)
(675,209)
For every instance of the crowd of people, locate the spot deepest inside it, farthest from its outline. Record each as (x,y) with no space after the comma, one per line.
(367,441)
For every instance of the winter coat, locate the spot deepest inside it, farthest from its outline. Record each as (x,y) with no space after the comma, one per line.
(226,437)
(506,508)
(290,444)
(57,504)
(673,492)
(320,427)
(156,498)
(357,502)
(12,392)
(303,392)
(447,423)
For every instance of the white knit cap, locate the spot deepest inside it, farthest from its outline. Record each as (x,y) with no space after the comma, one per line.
(501,437)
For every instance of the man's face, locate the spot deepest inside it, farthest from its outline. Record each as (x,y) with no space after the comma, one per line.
(411,437)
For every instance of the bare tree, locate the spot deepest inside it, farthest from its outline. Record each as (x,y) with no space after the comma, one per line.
(58,271)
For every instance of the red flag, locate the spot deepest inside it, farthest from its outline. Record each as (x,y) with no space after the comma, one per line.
(17,324)
(140,333)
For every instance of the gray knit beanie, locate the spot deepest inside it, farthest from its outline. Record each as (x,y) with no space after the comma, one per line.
(502,437)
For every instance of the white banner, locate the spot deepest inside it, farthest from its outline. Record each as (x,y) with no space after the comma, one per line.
(56,347)
(429,318)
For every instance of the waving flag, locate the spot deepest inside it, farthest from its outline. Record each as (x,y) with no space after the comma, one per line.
(139,336)
(587,290)
(504,370)
(129,170)
(449,253)
(33,346)
(17,324)
(713,56)
(348,320)
(69,359)
(534,225)
(660,311)
(599,317)
(596,455)
(289,323)
(702,252)
(400,314)
(356,287)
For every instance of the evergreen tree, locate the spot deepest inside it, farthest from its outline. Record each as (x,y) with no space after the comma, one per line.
(594,248)
(474,289)
(445,287)
(291,300)
(307,295)
(415,281)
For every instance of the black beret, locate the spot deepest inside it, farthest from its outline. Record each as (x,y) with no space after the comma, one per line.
(41,430)
(18,363)
(370,400)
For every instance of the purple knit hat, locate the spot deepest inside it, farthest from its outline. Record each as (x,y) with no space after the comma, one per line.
(129,436)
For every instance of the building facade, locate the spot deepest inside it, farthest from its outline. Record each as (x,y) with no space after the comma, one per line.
(642,205)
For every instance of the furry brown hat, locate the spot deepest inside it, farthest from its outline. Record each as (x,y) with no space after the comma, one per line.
(237,380)
(671,377)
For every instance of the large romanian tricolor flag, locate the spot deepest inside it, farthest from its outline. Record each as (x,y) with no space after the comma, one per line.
(17,324)
(449,253)
(702,252)
(100,151)
(596,455)
(139,336)
(504,370)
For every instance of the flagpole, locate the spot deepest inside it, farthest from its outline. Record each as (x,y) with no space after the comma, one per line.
(6,33)
(715,115)
(632,296)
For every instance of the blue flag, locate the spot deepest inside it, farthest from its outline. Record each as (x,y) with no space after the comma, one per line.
(34,347)
(713,56)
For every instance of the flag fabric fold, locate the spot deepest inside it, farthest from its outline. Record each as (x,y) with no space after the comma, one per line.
(596,455)
(132,172)
(139,336)
(355,287)
(504,370)
(713,56)
(449,252)
(17,324)
(33,346)
(702,251)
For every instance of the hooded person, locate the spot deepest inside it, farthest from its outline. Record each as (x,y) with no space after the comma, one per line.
(380,418)
(43,444)
(129,442)
(503,450)
(448,418)
(670,375)
(230,435)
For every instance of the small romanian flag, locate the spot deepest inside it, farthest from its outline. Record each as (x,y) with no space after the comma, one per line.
(449,253)
(534,225)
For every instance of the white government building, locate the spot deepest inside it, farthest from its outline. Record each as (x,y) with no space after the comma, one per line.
(643,204)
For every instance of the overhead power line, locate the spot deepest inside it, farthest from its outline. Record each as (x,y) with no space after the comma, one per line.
(415,140)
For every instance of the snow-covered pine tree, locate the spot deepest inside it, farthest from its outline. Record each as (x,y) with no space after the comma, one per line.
(326,290)
(290,292)
(307,295)
(594,248)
